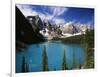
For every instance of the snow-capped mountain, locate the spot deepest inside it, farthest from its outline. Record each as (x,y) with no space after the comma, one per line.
(74,28)
(67,30)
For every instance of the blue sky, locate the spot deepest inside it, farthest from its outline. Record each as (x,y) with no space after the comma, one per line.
(59,15)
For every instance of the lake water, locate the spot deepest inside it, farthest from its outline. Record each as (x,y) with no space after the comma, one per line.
(55,51)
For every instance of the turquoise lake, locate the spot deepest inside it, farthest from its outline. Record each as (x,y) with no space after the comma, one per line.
(55,51)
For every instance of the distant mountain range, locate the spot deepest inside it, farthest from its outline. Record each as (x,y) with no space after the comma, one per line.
(73,28)
(37,23)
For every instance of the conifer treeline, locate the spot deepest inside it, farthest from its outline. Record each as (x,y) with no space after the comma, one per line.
(88,45)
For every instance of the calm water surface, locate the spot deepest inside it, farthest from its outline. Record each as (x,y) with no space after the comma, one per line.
(55,51)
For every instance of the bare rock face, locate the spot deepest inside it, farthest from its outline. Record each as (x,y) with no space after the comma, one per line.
(36,22)
(71,29)
(74,28)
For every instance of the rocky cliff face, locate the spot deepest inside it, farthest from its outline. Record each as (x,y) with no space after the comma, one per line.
(47,24)
(36,22)
(24,31)
(72,28)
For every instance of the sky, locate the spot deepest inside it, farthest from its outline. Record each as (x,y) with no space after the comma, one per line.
(59,15)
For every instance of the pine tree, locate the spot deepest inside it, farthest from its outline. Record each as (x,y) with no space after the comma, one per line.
(64,65)
(24,66)
(74,65)
(79,65)
(44,60)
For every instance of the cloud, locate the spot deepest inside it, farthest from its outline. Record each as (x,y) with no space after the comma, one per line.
(48,16)
(26,10)
(58,21)
(50,13)
(54,13)
(70,22)
(57,11)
